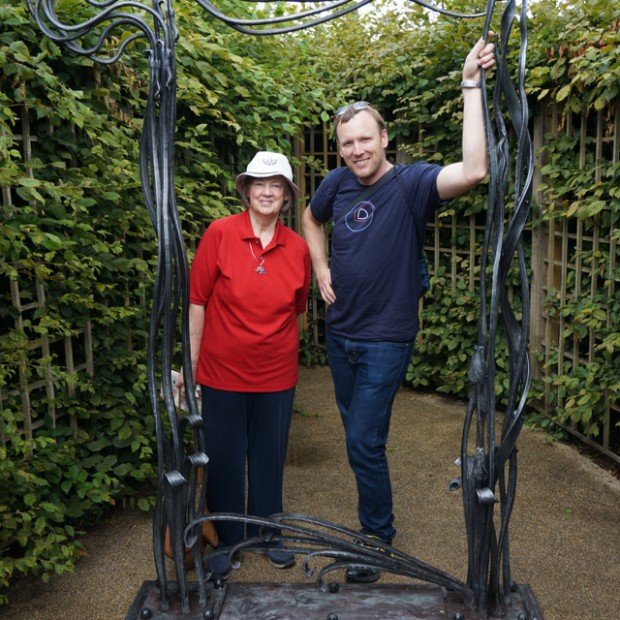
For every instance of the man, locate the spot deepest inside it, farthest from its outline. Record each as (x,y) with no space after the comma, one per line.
(373,283)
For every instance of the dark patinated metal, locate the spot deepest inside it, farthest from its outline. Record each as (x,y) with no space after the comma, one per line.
(285,601)
(488,463)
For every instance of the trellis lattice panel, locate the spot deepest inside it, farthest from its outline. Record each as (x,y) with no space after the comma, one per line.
(576,272)
(39,364)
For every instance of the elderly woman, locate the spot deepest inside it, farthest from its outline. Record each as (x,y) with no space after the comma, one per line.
(248,282)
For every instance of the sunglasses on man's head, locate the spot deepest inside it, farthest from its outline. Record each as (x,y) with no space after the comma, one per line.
(357,106)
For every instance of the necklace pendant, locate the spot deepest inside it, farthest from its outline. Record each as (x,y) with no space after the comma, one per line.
(260,270)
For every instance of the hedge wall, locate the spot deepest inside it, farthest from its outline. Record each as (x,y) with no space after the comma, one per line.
(73,220)
(77,224)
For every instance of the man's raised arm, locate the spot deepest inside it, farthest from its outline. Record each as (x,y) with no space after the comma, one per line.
(456,179)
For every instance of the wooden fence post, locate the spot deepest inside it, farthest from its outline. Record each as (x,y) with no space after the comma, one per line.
(538,250)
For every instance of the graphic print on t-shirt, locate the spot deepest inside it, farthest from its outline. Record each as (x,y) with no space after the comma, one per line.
(360,217)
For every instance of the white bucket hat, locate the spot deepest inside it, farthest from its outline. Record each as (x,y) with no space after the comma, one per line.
(266,164)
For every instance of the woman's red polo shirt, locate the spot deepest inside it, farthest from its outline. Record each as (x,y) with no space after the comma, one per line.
(250,341)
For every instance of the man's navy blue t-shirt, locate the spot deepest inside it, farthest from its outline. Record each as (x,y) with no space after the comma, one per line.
(374,251)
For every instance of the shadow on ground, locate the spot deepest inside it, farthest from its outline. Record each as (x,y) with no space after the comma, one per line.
(565,529)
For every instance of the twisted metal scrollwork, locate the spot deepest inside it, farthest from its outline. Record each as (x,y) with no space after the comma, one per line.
(315,538)
(178,491)
(490,468)
(493,464)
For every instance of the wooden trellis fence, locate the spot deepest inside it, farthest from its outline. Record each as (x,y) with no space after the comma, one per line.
(34,385)
(558,271)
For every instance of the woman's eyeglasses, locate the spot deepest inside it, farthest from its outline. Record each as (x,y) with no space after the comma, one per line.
(357,106)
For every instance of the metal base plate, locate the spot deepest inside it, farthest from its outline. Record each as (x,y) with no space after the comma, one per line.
(282,601)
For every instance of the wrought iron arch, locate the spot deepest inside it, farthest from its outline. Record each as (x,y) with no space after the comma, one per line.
(488,469)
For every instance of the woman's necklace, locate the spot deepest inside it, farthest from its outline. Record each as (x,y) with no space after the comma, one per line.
(260,270)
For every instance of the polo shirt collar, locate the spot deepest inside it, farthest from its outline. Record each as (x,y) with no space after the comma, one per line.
(245,228)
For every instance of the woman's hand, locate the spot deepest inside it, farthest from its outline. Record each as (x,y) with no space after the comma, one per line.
(180,381)
(179,389)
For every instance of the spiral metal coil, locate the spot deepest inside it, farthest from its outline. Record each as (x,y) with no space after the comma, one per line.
(488,462)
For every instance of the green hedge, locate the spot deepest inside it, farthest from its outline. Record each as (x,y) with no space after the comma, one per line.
(78,222)
(79,225)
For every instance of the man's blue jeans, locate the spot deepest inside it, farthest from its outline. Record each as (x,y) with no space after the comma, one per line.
(366,377)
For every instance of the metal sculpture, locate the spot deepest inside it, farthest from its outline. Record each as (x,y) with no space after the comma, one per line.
(489,469)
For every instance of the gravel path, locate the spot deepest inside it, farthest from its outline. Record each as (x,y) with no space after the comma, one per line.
(565,528)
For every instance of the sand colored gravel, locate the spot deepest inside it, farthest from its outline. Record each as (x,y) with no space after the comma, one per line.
(565,529)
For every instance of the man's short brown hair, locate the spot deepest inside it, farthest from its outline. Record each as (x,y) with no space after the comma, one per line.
(347,112)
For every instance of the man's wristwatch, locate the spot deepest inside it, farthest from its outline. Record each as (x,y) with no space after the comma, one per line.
(471,84)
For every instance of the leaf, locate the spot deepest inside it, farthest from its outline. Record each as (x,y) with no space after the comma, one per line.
(99,444)
(144,504)
(123,470)
(29,182)
(563,93)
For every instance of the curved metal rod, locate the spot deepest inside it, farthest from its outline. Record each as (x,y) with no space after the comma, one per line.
(484,471)
(346,546)
(43,13)
(234,23)
(88,25)
(92,52)
(328,6)
(446,12)
(240,24)
(178,491)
